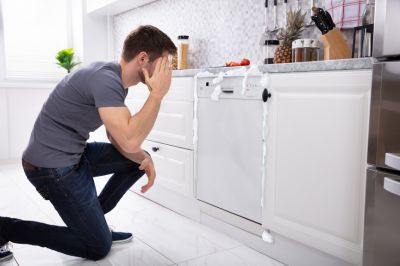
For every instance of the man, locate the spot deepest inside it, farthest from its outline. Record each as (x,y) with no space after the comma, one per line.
(61,164)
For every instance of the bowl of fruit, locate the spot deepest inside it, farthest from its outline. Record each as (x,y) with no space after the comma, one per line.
(244,62)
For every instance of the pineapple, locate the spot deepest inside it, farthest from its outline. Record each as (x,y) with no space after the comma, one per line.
(287,34)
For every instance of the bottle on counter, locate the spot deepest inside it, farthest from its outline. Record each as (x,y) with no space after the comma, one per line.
(183,49)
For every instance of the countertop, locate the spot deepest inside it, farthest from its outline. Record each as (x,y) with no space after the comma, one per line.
(344,64)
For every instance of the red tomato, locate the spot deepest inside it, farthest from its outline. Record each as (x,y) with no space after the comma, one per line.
(245,62)
(232,64)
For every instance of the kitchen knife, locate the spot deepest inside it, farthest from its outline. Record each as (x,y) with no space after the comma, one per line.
(330,22)
(320,13)
(320,25)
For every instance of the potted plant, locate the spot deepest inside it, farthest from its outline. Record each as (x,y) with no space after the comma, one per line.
(65,59)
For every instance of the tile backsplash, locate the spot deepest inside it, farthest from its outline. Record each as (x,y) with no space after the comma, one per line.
(219,30)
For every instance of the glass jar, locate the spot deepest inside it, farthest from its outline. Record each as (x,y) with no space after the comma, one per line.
(269,50)
(183,49)
(305,50)
(297,51)
(311,50)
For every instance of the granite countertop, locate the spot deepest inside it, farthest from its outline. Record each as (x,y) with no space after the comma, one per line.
(345,64)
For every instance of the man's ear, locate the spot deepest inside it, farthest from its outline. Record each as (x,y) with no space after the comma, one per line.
(143,58)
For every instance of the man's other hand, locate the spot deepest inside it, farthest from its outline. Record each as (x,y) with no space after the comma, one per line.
(148,166)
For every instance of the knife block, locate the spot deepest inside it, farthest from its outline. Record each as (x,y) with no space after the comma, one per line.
(335,46)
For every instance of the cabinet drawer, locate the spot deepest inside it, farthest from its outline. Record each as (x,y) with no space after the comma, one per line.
(181,90)
(174,168)
(174,124)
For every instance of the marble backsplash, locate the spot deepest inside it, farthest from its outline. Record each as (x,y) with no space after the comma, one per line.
(219,30)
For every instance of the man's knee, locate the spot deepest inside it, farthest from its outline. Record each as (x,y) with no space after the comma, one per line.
(100,250)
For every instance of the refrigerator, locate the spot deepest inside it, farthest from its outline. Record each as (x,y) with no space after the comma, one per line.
(382,208)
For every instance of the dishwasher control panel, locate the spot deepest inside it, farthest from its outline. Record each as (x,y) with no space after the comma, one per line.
(230,88)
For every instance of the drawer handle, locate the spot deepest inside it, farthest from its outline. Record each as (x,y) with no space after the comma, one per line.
(393,160)
(155,149)
(392,186)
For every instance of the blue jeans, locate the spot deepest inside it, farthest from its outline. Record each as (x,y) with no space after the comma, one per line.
(73,194)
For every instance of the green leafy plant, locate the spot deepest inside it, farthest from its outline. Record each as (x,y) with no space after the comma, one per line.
(65,59)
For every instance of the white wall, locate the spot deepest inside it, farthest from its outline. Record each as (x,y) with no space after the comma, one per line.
(4,146)
(21,101)
(19,108)
(220,31)
(95,41)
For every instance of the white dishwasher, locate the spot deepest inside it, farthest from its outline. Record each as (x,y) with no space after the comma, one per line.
(230,146)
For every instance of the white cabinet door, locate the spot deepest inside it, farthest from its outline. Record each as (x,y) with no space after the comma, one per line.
(174,167)
(174,185)
(174,124)
(316,159)
(182,89)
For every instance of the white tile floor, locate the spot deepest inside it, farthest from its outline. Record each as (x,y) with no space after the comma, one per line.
(162,237)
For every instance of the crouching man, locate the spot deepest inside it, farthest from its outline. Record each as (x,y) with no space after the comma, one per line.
(60,163)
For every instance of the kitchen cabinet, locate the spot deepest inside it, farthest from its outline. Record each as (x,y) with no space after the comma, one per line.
(174,124)
(181,90)
(316,159)
(170,144)
(174,168)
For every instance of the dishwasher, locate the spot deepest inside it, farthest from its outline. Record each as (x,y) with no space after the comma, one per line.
(230,145)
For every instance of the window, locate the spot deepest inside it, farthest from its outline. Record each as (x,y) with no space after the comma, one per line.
(33,32)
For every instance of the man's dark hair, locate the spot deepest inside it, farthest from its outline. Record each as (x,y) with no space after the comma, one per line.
(147,39)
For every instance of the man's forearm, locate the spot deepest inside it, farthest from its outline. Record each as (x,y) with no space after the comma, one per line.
(141,123)
(137,157)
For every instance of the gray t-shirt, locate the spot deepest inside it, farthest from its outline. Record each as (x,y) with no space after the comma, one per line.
(62,128)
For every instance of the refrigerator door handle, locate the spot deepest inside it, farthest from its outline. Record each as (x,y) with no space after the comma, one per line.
(393,160)
(392,186)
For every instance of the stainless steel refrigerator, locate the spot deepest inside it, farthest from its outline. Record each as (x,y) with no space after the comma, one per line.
(382,214)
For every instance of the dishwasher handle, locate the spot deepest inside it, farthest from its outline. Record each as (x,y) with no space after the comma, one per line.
(227,90)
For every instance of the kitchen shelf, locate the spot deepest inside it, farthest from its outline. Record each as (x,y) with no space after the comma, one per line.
(113,7)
